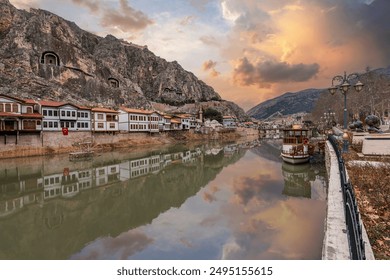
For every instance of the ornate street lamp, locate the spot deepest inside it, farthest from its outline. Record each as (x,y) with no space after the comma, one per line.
(344,84)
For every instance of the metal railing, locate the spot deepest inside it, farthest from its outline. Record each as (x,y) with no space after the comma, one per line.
(352,216)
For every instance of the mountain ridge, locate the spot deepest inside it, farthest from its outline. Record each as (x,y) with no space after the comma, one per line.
(287,103)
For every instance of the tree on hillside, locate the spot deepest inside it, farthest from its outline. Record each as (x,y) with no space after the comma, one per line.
(213,114)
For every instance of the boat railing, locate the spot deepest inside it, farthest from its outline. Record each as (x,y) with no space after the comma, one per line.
(352,215)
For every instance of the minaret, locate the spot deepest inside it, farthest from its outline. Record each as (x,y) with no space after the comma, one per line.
(201,114)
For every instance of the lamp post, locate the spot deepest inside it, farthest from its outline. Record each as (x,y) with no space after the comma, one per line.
(344,84)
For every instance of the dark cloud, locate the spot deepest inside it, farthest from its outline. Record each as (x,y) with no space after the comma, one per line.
(370,23)
(270,71)
(261,188)
(126,19)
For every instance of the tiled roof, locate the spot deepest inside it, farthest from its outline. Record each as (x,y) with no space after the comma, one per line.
(13,97)
(8,114)
(137,111)
(104,110)
(30,101)
(50,103)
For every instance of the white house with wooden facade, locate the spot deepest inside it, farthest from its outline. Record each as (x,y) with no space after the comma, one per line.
(58,115)
(137,120)
(19,115)
(105,120)
(187,121)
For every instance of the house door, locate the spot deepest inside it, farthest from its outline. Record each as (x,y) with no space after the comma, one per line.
(10,125)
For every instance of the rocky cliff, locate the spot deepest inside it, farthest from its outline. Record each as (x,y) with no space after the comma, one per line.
(45,56)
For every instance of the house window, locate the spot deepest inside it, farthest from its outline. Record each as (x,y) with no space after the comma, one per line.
(1,108)
(86,125)
(8,107)
(15,108)
(112,125)
(45,112)
(68,113)
(73,114)
(29,110)
(63,113)
(100,117)
(50,113)
(45,124)
(78,114)
(55,113)
(56,124)
(100,125)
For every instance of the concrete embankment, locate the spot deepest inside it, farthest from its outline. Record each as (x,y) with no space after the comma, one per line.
(48,143)
(336,244)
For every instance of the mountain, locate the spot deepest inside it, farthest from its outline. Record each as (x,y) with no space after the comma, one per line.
(44,56)
(286,104)
(373,99)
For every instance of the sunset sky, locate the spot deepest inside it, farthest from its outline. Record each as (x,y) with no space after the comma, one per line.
(247,50)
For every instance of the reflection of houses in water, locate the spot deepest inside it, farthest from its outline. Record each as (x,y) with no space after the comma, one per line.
(13,205)
(106,175)
(229,150)
(19,190)
(297,180)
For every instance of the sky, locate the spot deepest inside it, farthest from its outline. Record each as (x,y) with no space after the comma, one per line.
(248,50)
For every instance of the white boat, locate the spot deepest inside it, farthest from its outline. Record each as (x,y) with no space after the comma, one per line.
(295,147)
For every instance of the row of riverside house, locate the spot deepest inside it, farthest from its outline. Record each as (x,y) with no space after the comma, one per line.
(27,115)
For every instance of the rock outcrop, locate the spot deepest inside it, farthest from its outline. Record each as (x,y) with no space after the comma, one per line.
(45,56)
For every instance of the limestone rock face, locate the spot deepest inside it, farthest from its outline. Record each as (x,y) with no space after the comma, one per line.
(45,56)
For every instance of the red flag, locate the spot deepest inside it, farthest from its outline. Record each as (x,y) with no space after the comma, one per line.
(65,131)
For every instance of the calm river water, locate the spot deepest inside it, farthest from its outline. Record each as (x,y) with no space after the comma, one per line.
(201,202)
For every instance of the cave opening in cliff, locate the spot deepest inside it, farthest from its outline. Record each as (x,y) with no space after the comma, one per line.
(113,82)
(50,58)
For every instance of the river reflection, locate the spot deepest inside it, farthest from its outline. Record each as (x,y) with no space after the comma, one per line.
(205,202)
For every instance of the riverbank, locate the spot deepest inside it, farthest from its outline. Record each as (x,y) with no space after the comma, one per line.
(56,143)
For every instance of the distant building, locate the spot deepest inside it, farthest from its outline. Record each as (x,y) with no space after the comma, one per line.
(229,122)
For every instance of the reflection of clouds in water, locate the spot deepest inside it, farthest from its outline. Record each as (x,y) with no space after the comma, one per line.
(287,229)
(209,195)
(267,225)
(230,249)
(120,247)
(262,188)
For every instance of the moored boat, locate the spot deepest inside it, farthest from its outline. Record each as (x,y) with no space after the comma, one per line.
(295,147)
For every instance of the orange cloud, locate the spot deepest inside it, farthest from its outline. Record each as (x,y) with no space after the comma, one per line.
(209,66)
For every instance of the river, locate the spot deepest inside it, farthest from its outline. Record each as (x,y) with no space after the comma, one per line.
(214,201)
